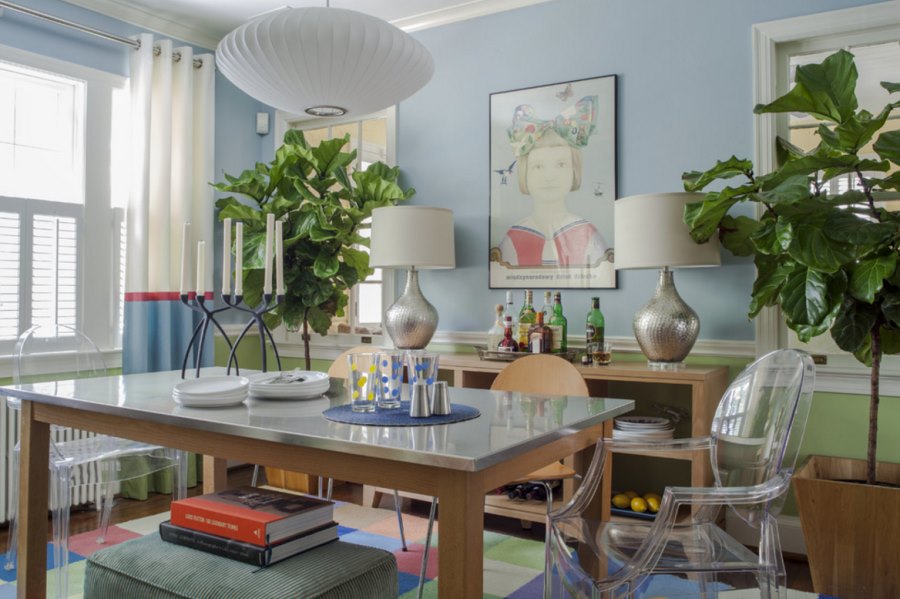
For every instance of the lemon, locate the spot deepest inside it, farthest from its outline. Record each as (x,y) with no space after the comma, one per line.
(652,503)
(638,504)
(621,501)
(655,496)
(631,494)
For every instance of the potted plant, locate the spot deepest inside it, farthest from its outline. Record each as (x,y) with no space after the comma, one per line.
(324,209)
(830,262)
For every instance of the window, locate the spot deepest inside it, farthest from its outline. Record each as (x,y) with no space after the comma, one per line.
(372,138)
(871,33)
(55,198)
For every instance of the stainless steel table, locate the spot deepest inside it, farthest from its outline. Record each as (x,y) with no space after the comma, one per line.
(458,463)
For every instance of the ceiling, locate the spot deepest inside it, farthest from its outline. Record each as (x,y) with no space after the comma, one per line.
(205,22)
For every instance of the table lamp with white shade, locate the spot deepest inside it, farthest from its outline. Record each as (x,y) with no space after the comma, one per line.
(415,238)
(650,233)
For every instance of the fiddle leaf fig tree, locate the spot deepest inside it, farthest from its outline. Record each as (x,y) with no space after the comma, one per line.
(324,209)
(828,260)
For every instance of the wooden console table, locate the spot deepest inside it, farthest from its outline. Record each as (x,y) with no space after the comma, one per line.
(707,384)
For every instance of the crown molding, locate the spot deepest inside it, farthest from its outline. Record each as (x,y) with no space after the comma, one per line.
(461,12)
(145,19)
(199,36)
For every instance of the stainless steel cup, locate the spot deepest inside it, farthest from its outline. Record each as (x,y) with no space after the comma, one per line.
(419,405)
(440,404)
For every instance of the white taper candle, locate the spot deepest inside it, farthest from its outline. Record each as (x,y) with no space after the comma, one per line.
(279,258)
(239,259)
(201,263)
(185,259)
(270,230)
(226,257)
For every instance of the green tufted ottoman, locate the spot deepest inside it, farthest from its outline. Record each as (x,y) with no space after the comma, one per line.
(151,568)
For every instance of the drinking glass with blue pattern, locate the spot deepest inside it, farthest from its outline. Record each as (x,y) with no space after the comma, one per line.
(423,366)
(390,380)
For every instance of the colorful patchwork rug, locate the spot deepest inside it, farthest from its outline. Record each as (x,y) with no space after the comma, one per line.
(513,567)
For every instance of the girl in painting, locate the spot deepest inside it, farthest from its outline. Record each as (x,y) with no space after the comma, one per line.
(549,167)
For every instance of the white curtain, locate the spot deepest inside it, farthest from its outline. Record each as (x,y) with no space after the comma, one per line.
(173,117)
(173,135)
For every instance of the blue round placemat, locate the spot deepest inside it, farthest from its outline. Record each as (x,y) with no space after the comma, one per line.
(398,416)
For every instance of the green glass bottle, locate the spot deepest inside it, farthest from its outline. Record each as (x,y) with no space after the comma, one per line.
(595,328)
(559,325)
(527,317)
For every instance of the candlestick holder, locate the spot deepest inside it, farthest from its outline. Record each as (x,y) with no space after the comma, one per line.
(196,342)
(256,317)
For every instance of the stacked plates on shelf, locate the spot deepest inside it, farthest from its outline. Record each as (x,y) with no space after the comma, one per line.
(643,428)
(211,391)
(294,384)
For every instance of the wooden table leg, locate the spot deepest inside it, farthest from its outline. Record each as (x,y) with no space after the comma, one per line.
(215,474)
(34,456)
(461,537)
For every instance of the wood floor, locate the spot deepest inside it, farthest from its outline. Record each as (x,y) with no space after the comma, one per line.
(85,520)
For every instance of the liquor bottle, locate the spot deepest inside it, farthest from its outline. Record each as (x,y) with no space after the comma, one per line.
(526,319)
(509,310)
(495,333)
(540,337)
(547,308)
(508,343)
(559,325)
(594,330)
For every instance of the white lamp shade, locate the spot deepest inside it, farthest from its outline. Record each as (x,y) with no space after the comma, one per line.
(419,236)
(298,59)
(650,232)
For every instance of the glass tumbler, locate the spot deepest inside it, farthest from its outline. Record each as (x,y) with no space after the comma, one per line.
(362,381)
(423,366)
(390,380)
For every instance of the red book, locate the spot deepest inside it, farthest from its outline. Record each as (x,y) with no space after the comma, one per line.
(251,514)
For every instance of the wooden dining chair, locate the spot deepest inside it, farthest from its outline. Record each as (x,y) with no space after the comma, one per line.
(540,374)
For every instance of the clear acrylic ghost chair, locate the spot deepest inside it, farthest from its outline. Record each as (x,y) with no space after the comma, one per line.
(753,445)
(70,355)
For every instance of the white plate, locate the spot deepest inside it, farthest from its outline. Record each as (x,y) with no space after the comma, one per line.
(212,385)
(211,402)
(307,378)
(295,395)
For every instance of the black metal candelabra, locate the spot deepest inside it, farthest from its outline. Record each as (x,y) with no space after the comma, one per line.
(196,343)
(256,317)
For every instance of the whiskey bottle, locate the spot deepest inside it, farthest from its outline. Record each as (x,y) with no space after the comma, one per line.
(495,333)
(508,343)
(595,328)
(526,319)
(559,325)
(540,337)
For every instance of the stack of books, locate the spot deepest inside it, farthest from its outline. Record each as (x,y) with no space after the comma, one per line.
(250,524)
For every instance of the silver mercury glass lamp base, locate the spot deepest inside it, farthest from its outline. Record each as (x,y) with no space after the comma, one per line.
(411,320)
(666,328)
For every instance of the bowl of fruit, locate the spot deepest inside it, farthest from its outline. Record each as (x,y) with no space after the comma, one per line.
(634,505)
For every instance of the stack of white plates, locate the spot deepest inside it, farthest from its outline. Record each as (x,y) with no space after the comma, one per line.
(211,391)
(294,384)
(644,428)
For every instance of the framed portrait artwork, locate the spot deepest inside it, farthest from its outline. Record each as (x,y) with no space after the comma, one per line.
(553,185)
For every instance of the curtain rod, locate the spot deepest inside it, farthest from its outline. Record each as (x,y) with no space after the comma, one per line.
(135,44)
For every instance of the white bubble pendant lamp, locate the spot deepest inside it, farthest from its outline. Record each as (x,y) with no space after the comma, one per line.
(324,61)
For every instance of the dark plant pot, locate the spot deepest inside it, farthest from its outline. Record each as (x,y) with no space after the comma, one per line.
(850,528)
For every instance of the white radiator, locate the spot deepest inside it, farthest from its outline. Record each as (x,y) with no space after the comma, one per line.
(85,477)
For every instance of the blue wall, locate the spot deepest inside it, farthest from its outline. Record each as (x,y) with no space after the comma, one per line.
(684,101)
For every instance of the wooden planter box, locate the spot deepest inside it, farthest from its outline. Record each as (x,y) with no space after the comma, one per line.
(851,529)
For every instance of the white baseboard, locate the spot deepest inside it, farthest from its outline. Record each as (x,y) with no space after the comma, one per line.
(788,529)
